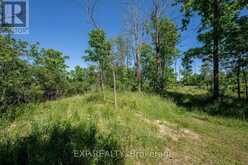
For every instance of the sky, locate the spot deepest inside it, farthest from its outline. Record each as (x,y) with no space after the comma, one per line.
(62,25)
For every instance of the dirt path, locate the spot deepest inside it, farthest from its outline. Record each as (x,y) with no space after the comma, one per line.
(171,130)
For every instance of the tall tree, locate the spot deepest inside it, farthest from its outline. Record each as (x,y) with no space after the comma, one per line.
(121,48)
(215,16)
(16,80)
(165,37)
(121,56)
(158,7)
(149,71)
(99,52)
(236,49)
(135,28)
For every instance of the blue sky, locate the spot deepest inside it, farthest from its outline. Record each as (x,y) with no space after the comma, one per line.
(61,25)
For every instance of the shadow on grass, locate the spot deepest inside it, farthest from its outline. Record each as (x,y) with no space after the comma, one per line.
(63,145)
(226,107)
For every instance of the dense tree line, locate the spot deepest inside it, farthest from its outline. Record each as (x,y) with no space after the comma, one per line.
(29,73)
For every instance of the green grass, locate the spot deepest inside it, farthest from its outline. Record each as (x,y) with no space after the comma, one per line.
(142,122)
(195,99)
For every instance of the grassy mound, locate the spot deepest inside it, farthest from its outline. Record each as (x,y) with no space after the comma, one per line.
(145,129)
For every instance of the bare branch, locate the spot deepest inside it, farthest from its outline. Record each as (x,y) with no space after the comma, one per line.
(135,29)
(90,9)
(159,7)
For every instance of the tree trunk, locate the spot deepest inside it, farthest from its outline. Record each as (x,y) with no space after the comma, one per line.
(175,71)
(159,86)
(138,69)
(216,40)
(102,84)
(238,82)
(114,90)
(159,70)
(162,80)
(246,85)
(98,80)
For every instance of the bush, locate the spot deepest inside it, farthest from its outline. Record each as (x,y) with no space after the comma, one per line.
(58,145)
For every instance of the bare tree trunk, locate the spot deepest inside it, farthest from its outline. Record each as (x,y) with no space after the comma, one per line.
(135,27)
(216,49)
(158,58)
(115,94)
(138,69)
(159,71)
(158,10)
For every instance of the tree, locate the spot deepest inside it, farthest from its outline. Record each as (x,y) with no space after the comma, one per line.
(157,13)
(135,29)
(216,15)
(113,68)
(236,49)
(164,37)
(78,81)
(120,47)
(50,71)
(99,52)
(78,74)
(121,52)
(187,70)
(149,72)
(17,84)
(206,74)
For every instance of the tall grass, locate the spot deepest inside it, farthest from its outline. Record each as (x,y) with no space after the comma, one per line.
(50,132)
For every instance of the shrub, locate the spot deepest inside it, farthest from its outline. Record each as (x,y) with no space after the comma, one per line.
(58,145)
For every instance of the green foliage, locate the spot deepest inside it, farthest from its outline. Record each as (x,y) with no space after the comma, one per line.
(148,61)
(78,74)
(120,46)
(125,78)
(61,144)
(217,19)
(28,74)
(50,71)
(228,10)
(99,51)
(195,99)
(144,122)
(165,51)
(82,80)
(187,72)
(17,84)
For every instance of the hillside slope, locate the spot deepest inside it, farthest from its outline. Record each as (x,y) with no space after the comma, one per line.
(147,128)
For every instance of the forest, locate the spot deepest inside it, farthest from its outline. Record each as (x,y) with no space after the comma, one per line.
(139,100)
